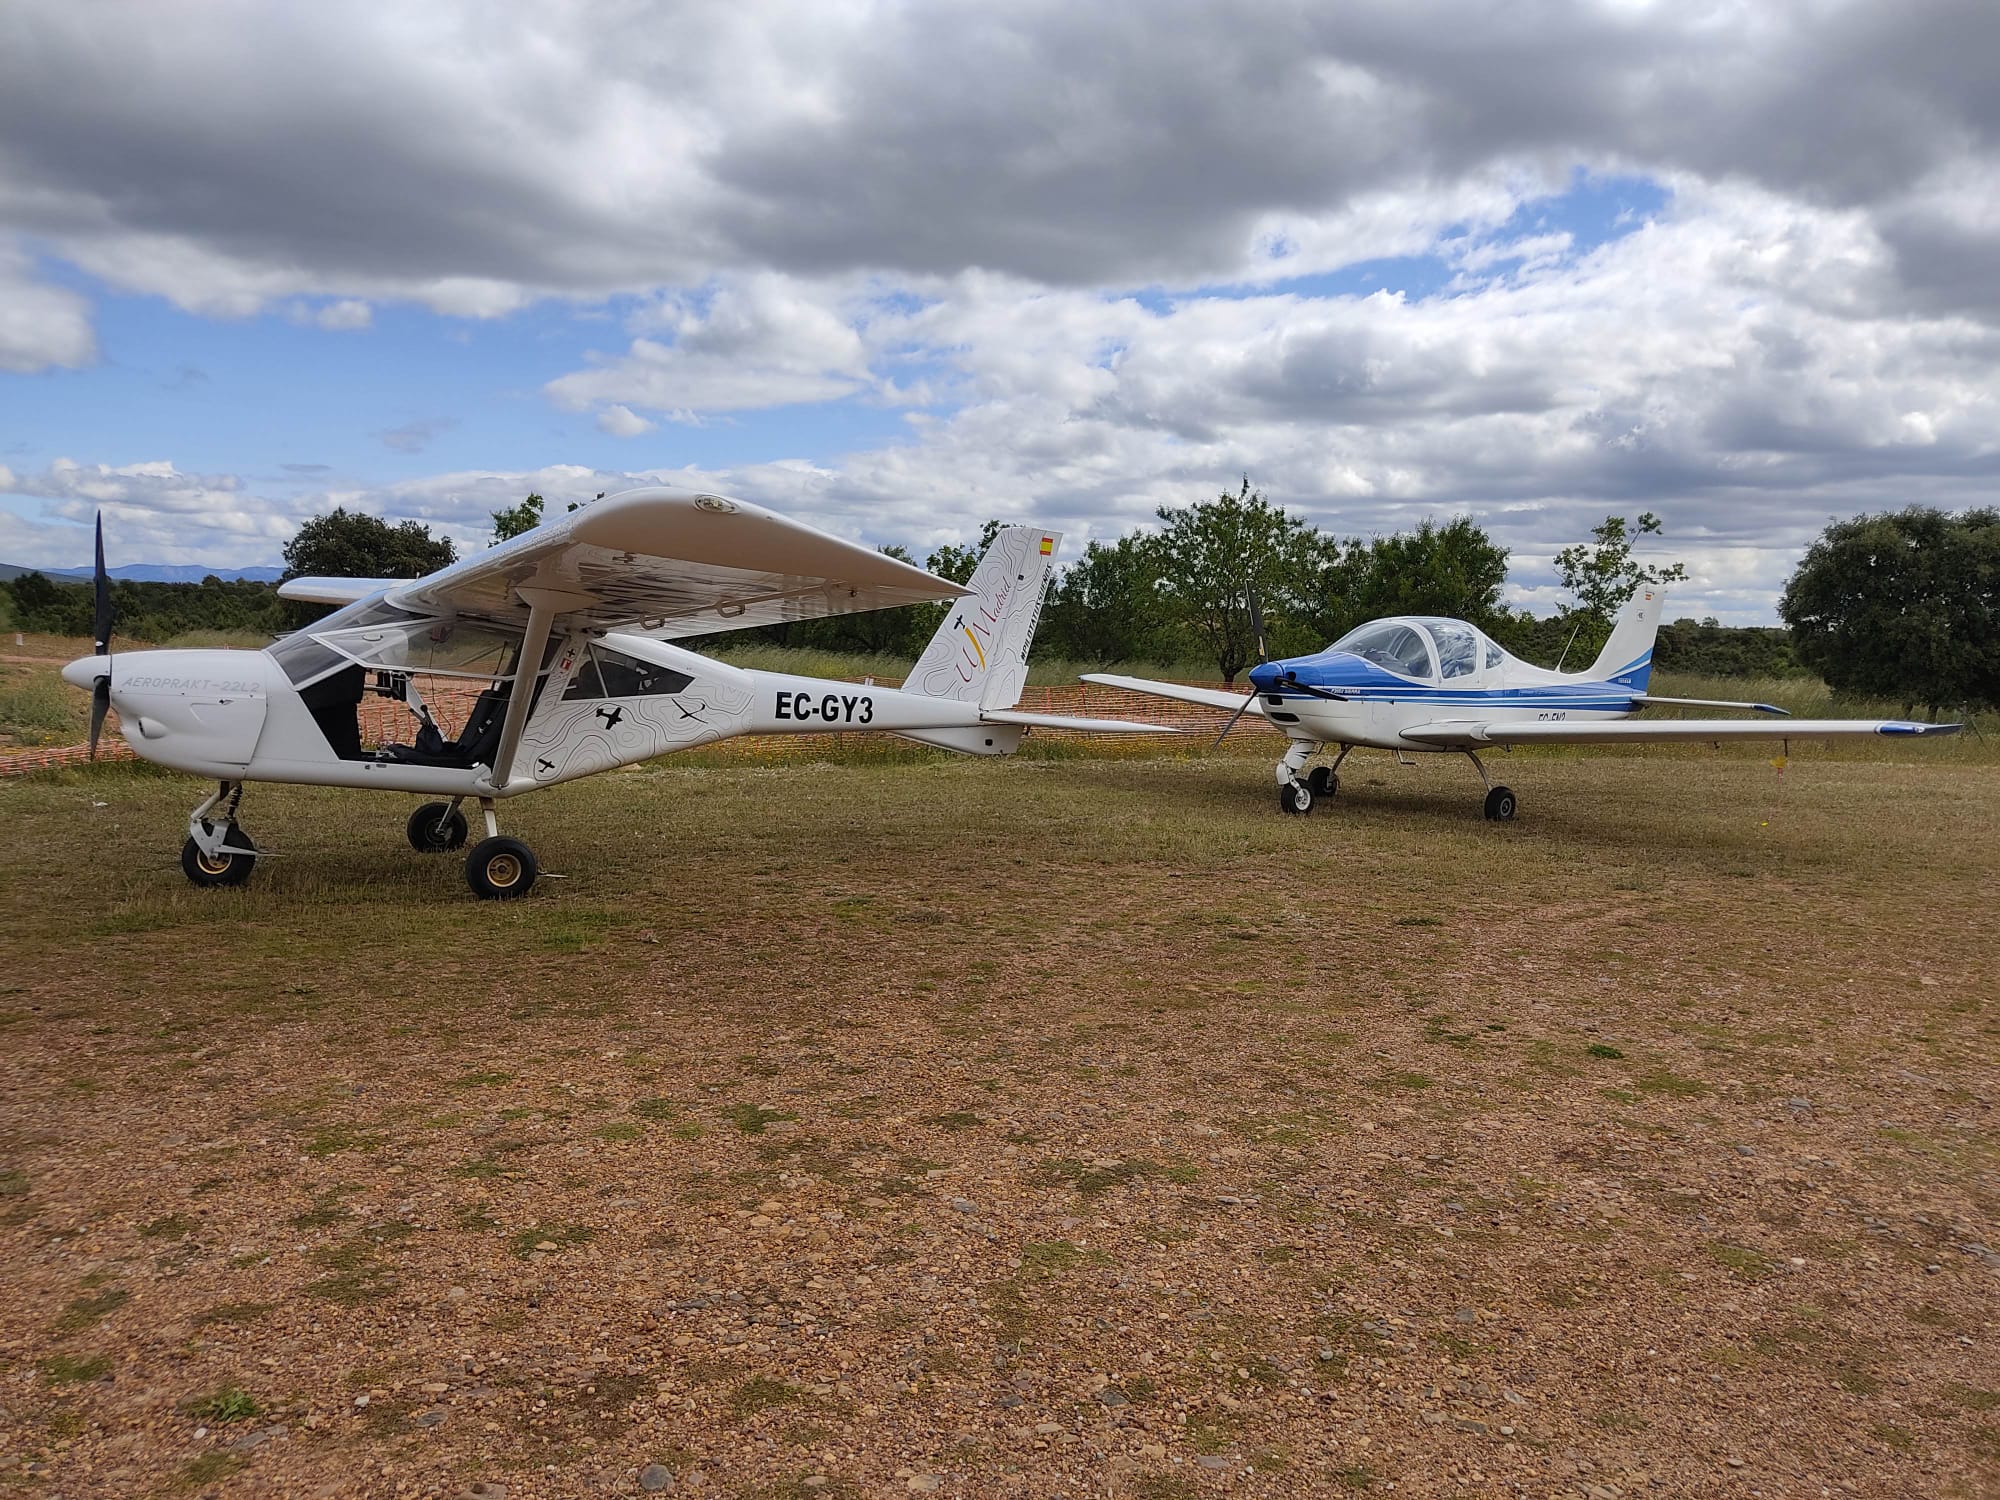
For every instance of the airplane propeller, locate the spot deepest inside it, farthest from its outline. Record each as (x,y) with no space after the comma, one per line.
(100,689)
(1289,680)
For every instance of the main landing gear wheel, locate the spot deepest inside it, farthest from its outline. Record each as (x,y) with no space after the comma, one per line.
(436,827)
(1296,798)
(1500,805)
(232,864)
(1323,782)
(500,868)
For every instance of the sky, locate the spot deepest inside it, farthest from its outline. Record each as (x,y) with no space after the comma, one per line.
(898,268)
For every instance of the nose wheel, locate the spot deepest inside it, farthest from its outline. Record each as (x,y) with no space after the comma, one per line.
(231,863)
(218,851)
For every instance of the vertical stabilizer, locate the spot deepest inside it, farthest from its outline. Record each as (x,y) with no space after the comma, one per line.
(1627,658)
(980,653)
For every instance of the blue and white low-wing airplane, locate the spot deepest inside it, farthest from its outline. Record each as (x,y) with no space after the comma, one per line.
(565,636)
(1423,684)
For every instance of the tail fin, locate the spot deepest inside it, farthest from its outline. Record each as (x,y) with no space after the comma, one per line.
(1627,658)
(980,653)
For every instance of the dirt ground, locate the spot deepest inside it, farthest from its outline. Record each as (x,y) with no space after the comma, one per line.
(1044,1128)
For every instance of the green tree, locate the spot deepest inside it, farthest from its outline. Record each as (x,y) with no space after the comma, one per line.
(1213,554)
(1108,607)
(1903,606)
(1602,574)
(1455,570)
(348,544)
(511,522)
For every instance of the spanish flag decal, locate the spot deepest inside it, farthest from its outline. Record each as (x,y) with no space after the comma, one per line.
(1048,545)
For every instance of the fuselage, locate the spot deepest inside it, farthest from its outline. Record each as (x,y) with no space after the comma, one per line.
(602,702)
(1395,674)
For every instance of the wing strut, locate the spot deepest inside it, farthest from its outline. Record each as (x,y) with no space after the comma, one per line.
(543,604)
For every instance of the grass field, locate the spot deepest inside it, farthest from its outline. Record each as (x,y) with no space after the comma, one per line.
(1059,1126)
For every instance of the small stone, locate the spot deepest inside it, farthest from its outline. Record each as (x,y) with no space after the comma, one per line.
(922,1484)
(1213,1461)
(656,1477)
(1467,1424)
(431,1416)
(1465,1315)
(457,1294)
(1735,1463)
(1745,1150)
(360,1401)
(1112,1396)
(964,1206)
(484,1489)
(548,1247)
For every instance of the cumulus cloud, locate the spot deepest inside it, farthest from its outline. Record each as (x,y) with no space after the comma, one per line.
(747,342)
(598,147)
(41,326)
(622,421)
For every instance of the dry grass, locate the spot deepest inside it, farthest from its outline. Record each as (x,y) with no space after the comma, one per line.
(1041,1125)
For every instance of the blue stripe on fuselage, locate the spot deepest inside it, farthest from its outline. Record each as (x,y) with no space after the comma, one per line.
(1360,680)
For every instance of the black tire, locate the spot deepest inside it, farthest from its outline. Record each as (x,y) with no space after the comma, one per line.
(500,869)
(1500,805)
(1324,783)
(1296,798)
(435,828)
(233,864)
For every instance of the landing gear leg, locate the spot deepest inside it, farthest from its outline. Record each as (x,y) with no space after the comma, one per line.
(1500,803)
(1296,796)
(218,851)
(499,868)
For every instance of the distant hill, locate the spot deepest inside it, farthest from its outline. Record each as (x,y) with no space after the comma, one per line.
(151,573)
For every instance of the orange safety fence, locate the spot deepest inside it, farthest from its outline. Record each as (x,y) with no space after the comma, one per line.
(385,721)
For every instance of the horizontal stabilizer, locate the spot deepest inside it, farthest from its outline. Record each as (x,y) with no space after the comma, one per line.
(1467,733)
(1058,721)
(1648,700)
(1208,697)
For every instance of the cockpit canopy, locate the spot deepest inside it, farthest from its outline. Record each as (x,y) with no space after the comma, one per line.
(1426,647)
(374,633)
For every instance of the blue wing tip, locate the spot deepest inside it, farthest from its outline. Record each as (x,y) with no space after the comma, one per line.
(1904,726)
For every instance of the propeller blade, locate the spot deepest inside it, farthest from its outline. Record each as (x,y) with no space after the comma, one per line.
(100,704)
(1242,709)
(101,625)
(1256,619)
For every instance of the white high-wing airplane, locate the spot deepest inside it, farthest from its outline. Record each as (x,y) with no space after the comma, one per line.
(590,602)
(1418,683)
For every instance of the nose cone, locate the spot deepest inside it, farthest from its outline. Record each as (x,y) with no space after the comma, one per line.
(85,670)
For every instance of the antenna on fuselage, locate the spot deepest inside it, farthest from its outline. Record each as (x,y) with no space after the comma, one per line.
(1568,643)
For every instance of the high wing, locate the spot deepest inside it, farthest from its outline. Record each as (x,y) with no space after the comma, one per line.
(669,563)
(335,590)
(1469,733)
(1209,697)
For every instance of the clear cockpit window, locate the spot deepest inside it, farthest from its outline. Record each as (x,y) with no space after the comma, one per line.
(380,635)
(1390,644)
(1457,648)
(605,673)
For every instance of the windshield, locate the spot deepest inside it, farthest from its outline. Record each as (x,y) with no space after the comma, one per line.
(1391,644)
(375,633)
